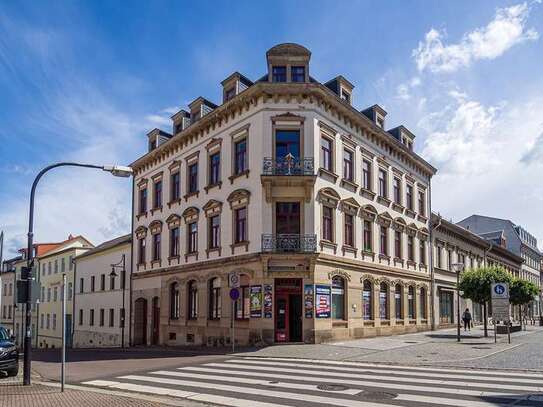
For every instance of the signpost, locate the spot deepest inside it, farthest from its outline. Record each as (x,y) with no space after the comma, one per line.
(499,293)
(234,283)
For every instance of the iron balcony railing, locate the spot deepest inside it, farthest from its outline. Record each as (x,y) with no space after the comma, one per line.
(289,243)
(288,165)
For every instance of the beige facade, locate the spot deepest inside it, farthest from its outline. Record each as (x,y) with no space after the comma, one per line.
(52,266)
(322,212)
(98,307)
(7,299)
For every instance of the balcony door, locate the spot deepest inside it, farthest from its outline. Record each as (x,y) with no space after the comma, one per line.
(287,142)
(287,218)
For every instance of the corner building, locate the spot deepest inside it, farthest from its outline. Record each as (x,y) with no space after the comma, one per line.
(323,213)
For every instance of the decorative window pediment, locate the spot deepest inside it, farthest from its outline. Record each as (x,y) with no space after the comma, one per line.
(341,273)
(175,165)
(350,206)
(367,277)
(423,234)
(212,207)
(329,196)
(412,230)
(238,198)
(369,212)
(191,214)
(142,183)
(141,232)
(155,227)
(384,219)
(173,221)
(214,143)
(399,224)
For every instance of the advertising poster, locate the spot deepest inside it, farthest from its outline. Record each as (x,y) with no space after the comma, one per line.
(268,301)
(322,301)
(308,300)
(256,301)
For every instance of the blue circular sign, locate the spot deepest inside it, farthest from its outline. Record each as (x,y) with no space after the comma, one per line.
(234,294)
(499,289)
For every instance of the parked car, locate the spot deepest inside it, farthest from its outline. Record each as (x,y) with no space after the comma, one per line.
(9,354)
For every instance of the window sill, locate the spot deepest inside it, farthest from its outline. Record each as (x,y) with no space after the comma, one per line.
(383,201)
(191,254)
(174,202)
(172,258)
(369,322)
(329,244)
(245,244)
(328,173)
(233,177)
(368,253)
(397,207)
(411,213)
(157,209)
(191,194)
(211,186)
(350,249)
(338,323)
(367,193)
(141,215)
(155,262)
(349,183)
(423,267)
(384,257)
(411,263)
(422,218)
(141,265)
(398,260)
(212,250)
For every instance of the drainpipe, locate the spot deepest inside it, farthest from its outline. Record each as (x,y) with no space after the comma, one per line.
(132,240)
(74,291)
(432,275)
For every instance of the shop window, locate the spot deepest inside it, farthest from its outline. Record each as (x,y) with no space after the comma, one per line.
(411,303)
(367,300)
(398,301)
(383,301)
(192,300)
(215,298)
(174,300)
(338,298)
(422,303)
(243,303)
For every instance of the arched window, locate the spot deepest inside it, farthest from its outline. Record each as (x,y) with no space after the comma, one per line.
(174,300)
(193,300)
(383,301)
(367,300)
(411,303)
(398,301)
(422,303)
(338,298)
(215,298)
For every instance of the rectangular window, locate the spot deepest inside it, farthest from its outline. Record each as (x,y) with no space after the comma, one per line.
(174,242)
(346,96)
(383,247)
(143,201)
(42,318)
(92,283)
(121,318)
(111,317)
(410,248)
(279,74)
(366,174)
(49,294)
(69,293)
(326,153)
(229,94)
(71,263)
(175,187)
(349,230)
(327,223)
(243,303)
(214,168)
(101,317)
(56,266)
(193,237)
(157,194)
(48,322)
(397,191)
(141,251)
(54,321)
(297,74)
(214,232)
(422,203)
(112,282)
(367,236)
(348,165)
(80,317)
(240,156)
(240,234)
(409,197)
(193,178)
(382,183)
(63,265)
(55,294)
(49,268)
(156,246)
(439,257)
(398,244)
(91,317)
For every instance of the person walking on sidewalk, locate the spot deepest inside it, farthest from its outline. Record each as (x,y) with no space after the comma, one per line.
(467,319)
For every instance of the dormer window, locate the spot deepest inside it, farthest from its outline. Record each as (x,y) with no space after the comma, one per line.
(152,144)
(229,94)
(346,96)
(297,74)
(279,74)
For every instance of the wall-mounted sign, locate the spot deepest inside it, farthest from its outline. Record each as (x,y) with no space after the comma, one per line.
(322,301)
(256,301)
(268,301)
(308,300)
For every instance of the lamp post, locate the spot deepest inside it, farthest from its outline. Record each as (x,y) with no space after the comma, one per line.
(458,268)
(122,266)
(116,170)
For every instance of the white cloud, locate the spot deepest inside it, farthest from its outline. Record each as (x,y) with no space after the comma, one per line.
(403,91)
(534,155)
(158,120)
(507,29)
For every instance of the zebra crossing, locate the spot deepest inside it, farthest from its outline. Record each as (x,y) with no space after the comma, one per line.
(278,382)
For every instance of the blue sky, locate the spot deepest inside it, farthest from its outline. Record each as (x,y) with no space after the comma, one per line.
(85,80)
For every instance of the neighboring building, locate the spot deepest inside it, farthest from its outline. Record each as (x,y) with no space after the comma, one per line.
(98,300)
(52,265)
(454,244)
(322,211)
(7,298)
(517,240)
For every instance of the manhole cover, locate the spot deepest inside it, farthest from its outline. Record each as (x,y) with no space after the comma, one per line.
(378,395)
(332,387)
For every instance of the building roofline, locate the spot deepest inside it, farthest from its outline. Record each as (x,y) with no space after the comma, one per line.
(107,245)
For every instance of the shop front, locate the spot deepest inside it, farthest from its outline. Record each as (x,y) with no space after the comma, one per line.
(288,310)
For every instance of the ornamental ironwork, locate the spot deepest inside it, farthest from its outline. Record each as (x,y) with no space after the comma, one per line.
(289,243)
(288,165)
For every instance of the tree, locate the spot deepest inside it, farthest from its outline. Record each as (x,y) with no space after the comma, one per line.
(522,292)
(476,285)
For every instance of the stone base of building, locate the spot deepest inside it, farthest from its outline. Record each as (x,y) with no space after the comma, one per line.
(91,339)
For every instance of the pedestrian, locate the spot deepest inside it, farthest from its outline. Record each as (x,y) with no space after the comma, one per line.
(467,319)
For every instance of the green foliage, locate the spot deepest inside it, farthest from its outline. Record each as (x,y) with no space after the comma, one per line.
(476,283)
(522,291)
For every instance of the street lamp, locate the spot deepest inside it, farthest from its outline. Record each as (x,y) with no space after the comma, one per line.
(122,266)
(116,170)
(458,268)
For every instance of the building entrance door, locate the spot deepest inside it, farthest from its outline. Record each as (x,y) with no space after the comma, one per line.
(288,310)
(140,322)
(446,307)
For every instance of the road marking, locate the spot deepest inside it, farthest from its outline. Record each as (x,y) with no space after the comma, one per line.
(281,384)
(259,392)
(445,401)
(248,364)
(395,372)
(366,383)
(403,367)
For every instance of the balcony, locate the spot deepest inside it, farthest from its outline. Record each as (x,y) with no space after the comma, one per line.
(288,176)
(288,166)
(289,243)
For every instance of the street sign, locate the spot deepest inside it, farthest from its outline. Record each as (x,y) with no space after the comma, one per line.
(21,290)
(234,294)
(500,301)
(500,290)
(233,280)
